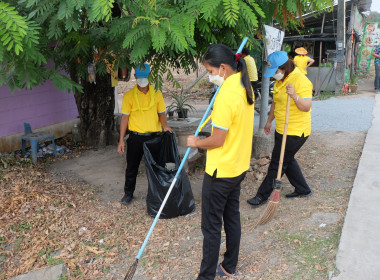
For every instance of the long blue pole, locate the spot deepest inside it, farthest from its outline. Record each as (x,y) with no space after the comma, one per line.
(181,166)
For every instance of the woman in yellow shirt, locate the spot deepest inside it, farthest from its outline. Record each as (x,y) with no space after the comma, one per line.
(290,81)
(228,158)
(302,61)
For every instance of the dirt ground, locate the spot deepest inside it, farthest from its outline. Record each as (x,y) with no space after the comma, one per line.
(50,216)
(49,219)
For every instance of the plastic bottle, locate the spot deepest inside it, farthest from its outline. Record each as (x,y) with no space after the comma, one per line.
(75,132)
(65,149)
(59,151)
(50,150)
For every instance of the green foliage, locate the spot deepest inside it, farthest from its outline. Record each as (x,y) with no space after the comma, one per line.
(209,8)
(323,95)
(158,38)
(100,10)
(180,103)
(291,6)
(42,39)
(63,83)
(62,277)
(13,29)
(373,17)
(231,11)
(354,79)
(327,64)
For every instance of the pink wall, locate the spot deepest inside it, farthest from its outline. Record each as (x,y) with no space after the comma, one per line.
(42,106)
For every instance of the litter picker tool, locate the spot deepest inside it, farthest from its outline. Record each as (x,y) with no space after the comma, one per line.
(132,269)
(274,199)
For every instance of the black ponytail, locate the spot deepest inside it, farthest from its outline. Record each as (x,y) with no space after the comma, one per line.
(218,54)
(242,67)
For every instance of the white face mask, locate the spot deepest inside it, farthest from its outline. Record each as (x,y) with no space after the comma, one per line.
(142,82)
(278,76)
(217,80)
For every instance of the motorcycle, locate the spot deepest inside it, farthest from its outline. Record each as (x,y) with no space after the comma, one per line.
(257,92)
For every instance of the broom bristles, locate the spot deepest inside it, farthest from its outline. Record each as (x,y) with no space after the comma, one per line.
(131,271)
(268,214)
(270,210)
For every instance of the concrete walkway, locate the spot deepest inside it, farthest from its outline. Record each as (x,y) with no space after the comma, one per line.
(359,249)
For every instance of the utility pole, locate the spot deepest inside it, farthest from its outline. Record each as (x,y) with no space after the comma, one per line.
(264,97)
(340,46)
(352,41)
(262,143)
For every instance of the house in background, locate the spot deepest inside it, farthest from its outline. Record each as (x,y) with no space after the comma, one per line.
(44,107)
(320,39)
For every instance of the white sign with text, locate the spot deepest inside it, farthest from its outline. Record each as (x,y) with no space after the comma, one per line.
(273,39)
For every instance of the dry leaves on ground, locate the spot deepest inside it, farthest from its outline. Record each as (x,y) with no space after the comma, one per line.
(45,221)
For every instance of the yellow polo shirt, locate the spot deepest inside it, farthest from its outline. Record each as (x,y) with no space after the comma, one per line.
(251,67)
(301,62)
(231,113)
(299,122)
(142,110)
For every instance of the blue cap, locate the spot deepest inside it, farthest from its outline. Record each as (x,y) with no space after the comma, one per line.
(275,60)
(141,72)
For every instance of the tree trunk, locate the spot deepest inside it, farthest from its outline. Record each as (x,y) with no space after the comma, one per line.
(96,111)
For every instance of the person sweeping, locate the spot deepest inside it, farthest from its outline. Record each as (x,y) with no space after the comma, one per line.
(228,159)
(290,82)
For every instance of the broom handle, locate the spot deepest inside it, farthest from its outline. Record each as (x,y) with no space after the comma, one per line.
(279,171)
(181,166)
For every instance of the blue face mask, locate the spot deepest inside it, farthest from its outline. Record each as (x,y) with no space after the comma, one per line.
(216,79)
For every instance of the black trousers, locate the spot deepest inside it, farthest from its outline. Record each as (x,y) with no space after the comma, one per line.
(290,166)
(220,200)
(134,156)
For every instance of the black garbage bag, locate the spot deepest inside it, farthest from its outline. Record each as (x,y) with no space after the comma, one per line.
(161,163)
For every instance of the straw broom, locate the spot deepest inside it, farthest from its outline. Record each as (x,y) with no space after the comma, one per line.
(274,199)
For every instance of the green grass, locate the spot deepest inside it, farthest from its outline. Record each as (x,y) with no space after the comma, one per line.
(199,167)
(50,260)
(2,241)
(62,277)
(323,95)
(21,228)
(314,256)
(76,272)
(106,269)
(153,262)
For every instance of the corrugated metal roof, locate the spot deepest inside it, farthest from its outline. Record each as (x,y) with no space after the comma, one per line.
(314,20)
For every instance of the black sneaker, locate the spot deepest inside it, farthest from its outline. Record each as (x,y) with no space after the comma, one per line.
(127,199)
(296,194)
(256,201)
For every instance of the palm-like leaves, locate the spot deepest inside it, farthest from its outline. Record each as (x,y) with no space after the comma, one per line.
(180,103)
(167,33)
